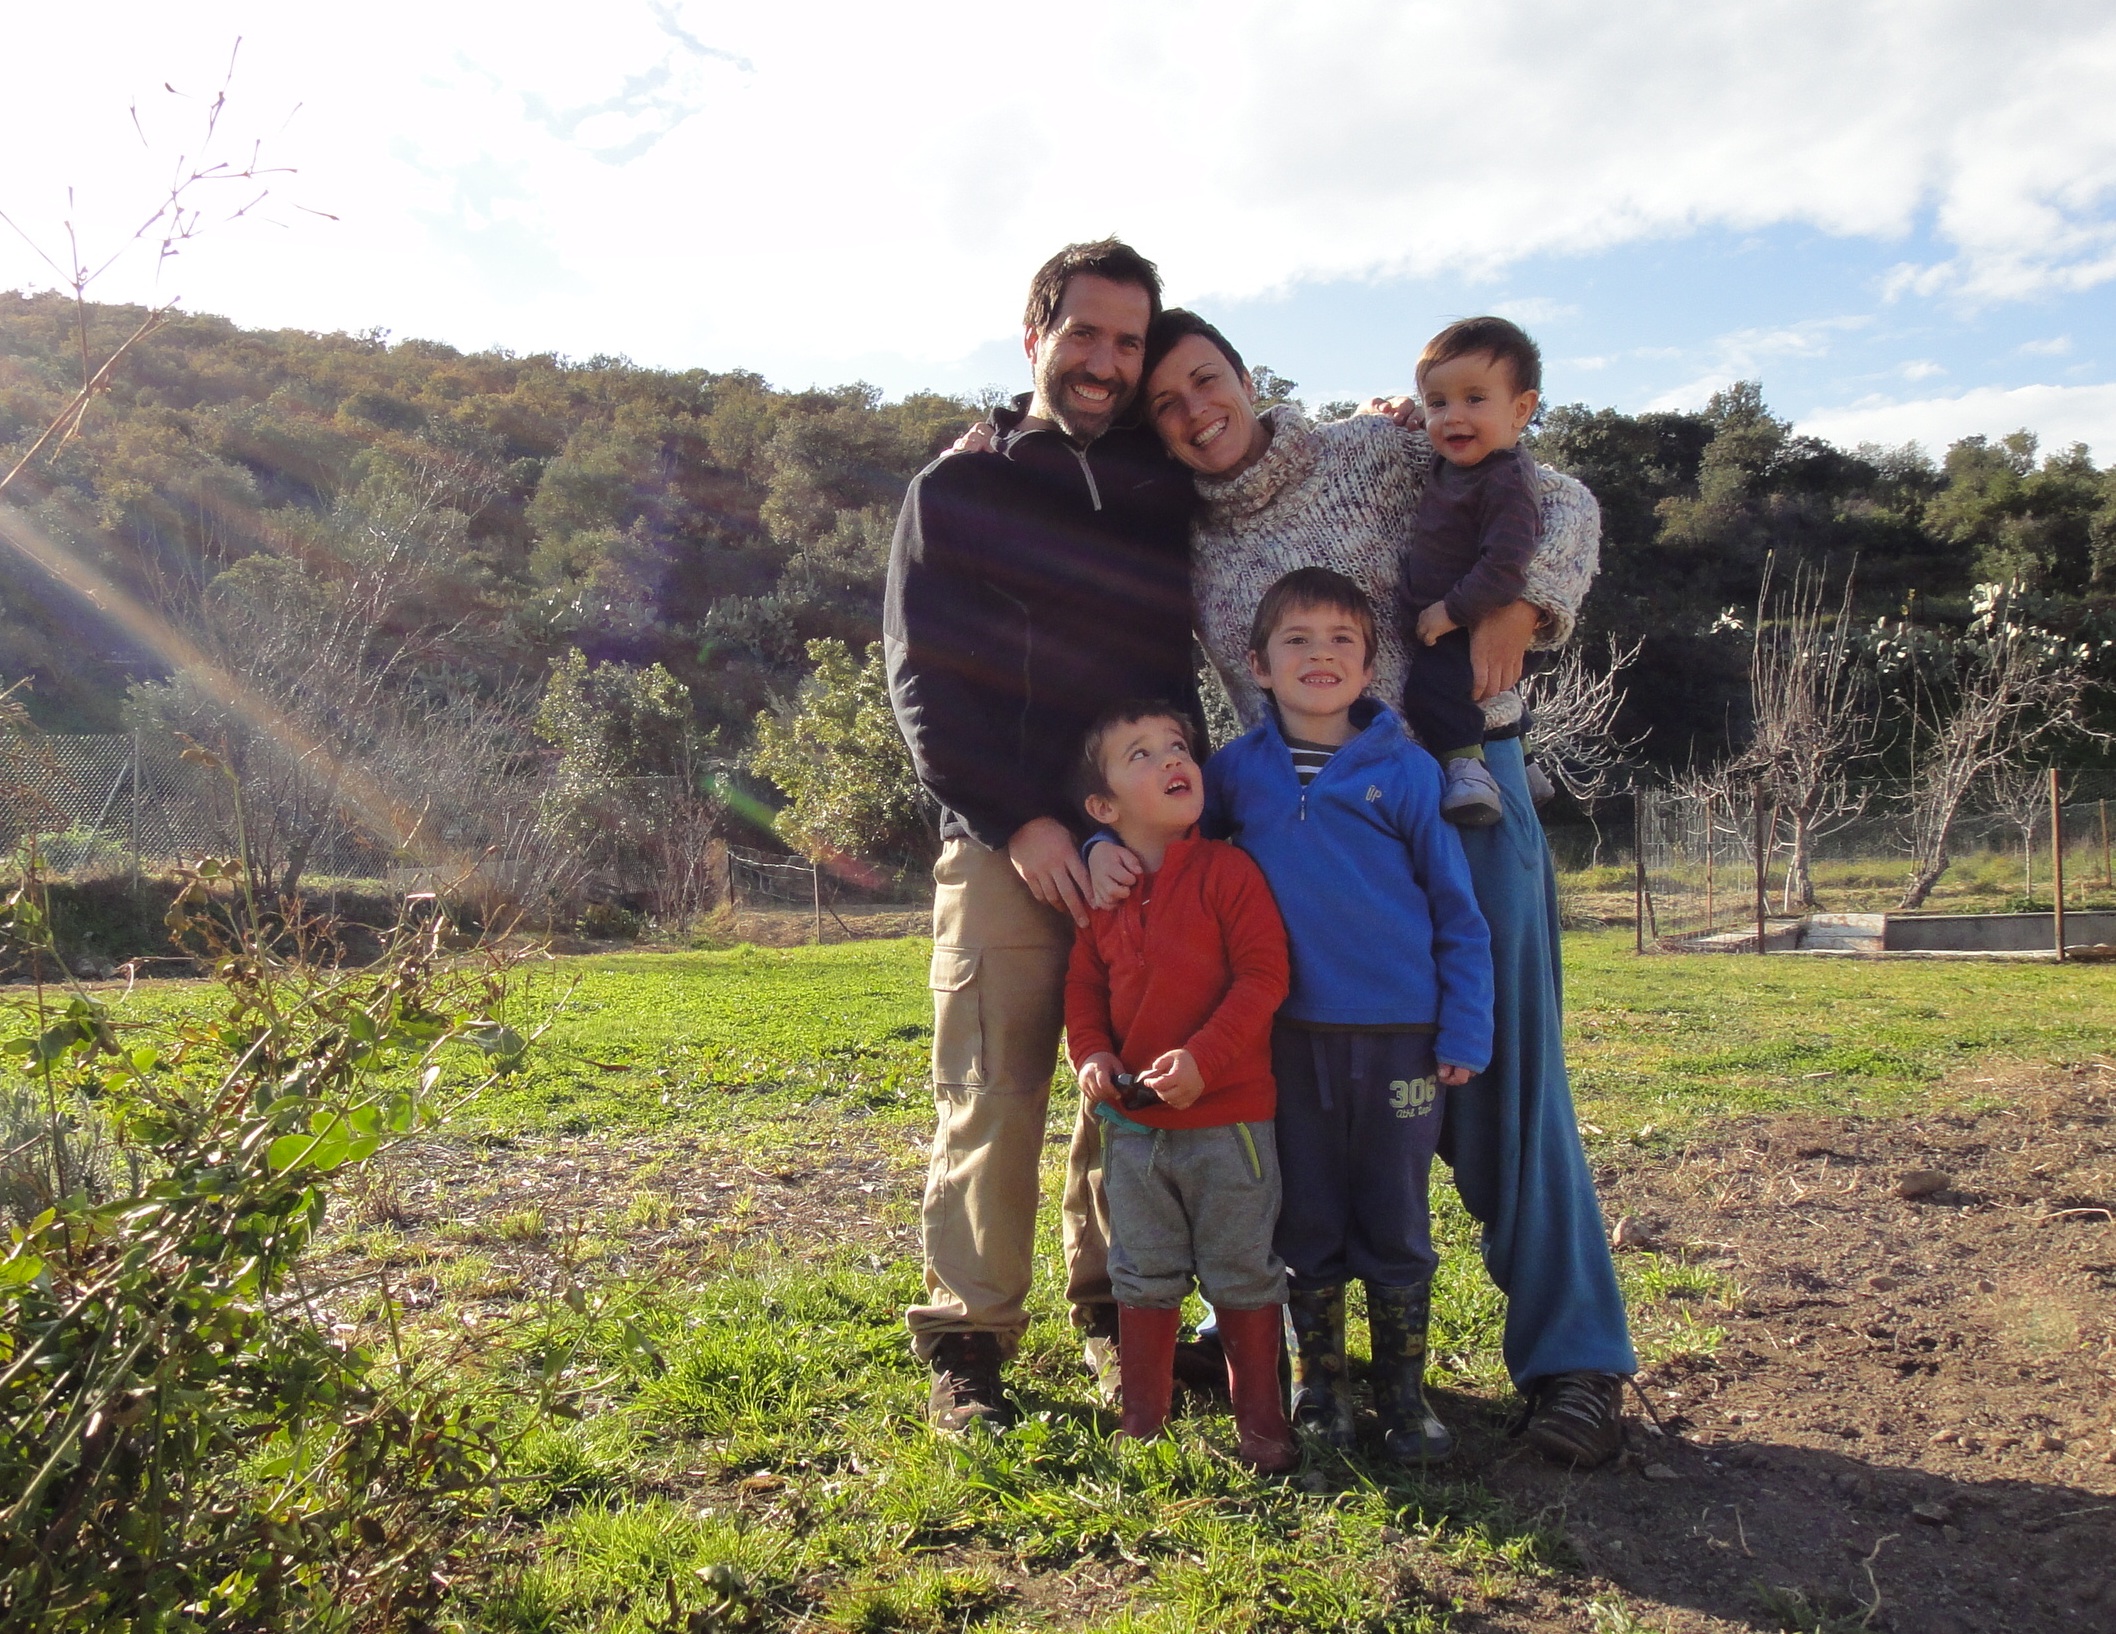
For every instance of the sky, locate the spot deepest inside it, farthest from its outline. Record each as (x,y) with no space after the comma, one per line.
(1901,218)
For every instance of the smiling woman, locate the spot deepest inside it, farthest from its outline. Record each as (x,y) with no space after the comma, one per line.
(1278,495)
(1200,398)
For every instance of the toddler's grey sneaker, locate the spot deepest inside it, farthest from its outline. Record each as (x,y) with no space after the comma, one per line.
(1472,797)
(1540,788)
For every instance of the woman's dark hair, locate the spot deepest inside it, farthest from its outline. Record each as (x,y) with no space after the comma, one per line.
(1172,326)
(1506,342)
(1307,589)
(1109,258)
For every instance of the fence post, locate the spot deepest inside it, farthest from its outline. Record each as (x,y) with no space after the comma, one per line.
(135,811)
(2108,878)
(2057,863)
(815,874)
(1638,869)
(1762,889)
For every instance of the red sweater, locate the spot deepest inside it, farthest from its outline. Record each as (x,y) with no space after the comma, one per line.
(1194,958)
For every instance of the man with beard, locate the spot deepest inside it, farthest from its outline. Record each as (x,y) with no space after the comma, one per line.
(1031,587)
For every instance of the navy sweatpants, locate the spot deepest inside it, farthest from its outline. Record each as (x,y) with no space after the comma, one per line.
(1358,1118)
(1440,693)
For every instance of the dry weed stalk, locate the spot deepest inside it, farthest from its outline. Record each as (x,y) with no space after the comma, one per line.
(177,219)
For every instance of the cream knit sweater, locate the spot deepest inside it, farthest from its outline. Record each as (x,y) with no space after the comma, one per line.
(1345,496)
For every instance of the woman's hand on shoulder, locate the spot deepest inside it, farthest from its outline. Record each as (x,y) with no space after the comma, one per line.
(981,438)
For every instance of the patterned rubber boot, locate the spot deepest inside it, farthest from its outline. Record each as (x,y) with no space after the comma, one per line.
(1315,1333)
(1397,1320)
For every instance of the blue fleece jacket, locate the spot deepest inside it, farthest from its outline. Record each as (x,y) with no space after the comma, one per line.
(1380,916)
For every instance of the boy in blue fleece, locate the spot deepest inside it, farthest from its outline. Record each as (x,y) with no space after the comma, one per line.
(1391,997)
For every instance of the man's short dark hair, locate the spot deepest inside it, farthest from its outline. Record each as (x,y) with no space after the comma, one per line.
(1088,777)
(1173,326)
(1307,588)
(1505,341)
(1109,258)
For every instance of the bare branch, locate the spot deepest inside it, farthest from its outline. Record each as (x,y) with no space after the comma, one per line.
(1572,709)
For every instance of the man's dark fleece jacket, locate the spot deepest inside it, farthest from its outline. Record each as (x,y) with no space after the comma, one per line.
(1029,589)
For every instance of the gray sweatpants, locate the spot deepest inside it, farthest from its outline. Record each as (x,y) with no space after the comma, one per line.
(1193,1203)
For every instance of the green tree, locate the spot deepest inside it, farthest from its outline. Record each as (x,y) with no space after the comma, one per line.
(837,756)
(613,725)
(2047,526)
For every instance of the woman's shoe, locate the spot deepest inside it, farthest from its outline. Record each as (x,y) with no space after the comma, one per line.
(1251,1340)
(1397,1319)
(1146,1349)
(1315,1329)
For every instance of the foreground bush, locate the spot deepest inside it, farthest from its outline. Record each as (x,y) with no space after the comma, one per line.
(184,1443)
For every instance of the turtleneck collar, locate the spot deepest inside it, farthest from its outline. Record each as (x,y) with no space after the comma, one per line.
(1291,456)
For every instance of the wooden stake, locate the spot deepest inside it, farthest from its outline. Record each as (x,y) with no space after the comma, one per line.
(1638,870)
(2108,877)
(1762,851)
(2057,862)
(815,873)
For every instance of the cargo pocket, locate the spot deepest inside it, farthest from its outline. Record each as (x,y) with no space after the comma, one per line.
(958,1020)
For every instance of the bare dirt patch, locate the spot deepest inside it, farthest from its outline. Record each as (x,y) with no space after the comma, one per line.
(1911,1423)
(485,1224)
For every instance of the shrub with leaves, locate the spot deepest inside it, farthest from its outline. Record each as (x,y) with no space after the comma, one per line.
(837,755)
(184,1442)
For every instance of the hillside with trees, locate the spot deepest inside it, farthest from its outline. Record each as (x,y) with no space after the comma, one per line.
(439,568)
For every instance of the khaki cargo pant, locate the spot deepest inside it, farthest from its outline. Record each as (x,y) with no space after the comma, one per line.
(998,981)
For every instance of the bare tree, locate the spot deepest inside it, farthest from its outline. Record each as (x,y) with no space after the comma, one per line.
(2002,691)
(344,645)
(1572,709)
(1813,714)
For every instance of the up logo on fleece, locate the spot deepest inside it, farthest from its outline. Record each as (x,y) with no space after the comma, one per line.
(1414,1097)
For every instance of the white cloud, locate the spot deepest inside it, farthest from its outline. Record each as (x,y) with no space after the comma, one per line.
(2059,415)
(2055,346)
(1921,368)
(722,182)
(1743,354)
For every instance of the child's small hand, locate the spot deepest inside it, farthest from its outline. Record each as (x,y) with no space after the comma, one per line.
(1112,870)
(1452,1076)
(1434,623)
(1097,1077)
(1175,1078)
(1408,412)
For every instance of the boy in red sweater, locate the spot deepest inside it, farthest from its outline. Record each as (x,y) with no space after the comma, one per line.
(1175,988)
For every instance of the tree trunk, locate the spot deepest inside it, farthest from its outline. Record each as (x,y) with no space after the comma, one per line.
(1799,877)
(298,858)
(1927,876)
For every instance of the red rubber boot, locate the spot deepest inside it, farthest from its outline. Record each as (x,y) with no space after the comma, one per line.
(1146,1352)
(1252,1339)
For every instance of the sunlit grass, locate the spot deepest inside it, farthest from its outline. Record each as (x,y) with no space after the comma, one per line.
(750,1453)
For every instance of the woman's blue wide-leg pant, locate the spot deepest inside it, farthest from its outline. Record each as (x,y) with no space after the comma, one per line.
(1511,1135)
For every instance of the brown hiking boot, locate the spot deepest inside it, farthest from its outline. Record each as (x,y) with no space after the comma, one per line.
(1576,1418)
(966,1385)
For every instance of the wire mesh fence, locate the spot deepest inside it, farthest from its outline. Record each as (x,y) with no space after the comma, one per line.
(100,801)
(1716,866)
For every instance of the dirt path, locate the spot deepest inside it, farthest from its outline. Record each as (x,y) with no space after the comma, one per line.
(1912,1422)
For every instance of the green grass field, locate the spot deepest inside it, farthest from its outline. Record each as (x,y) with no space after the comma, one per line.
(749,1452)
